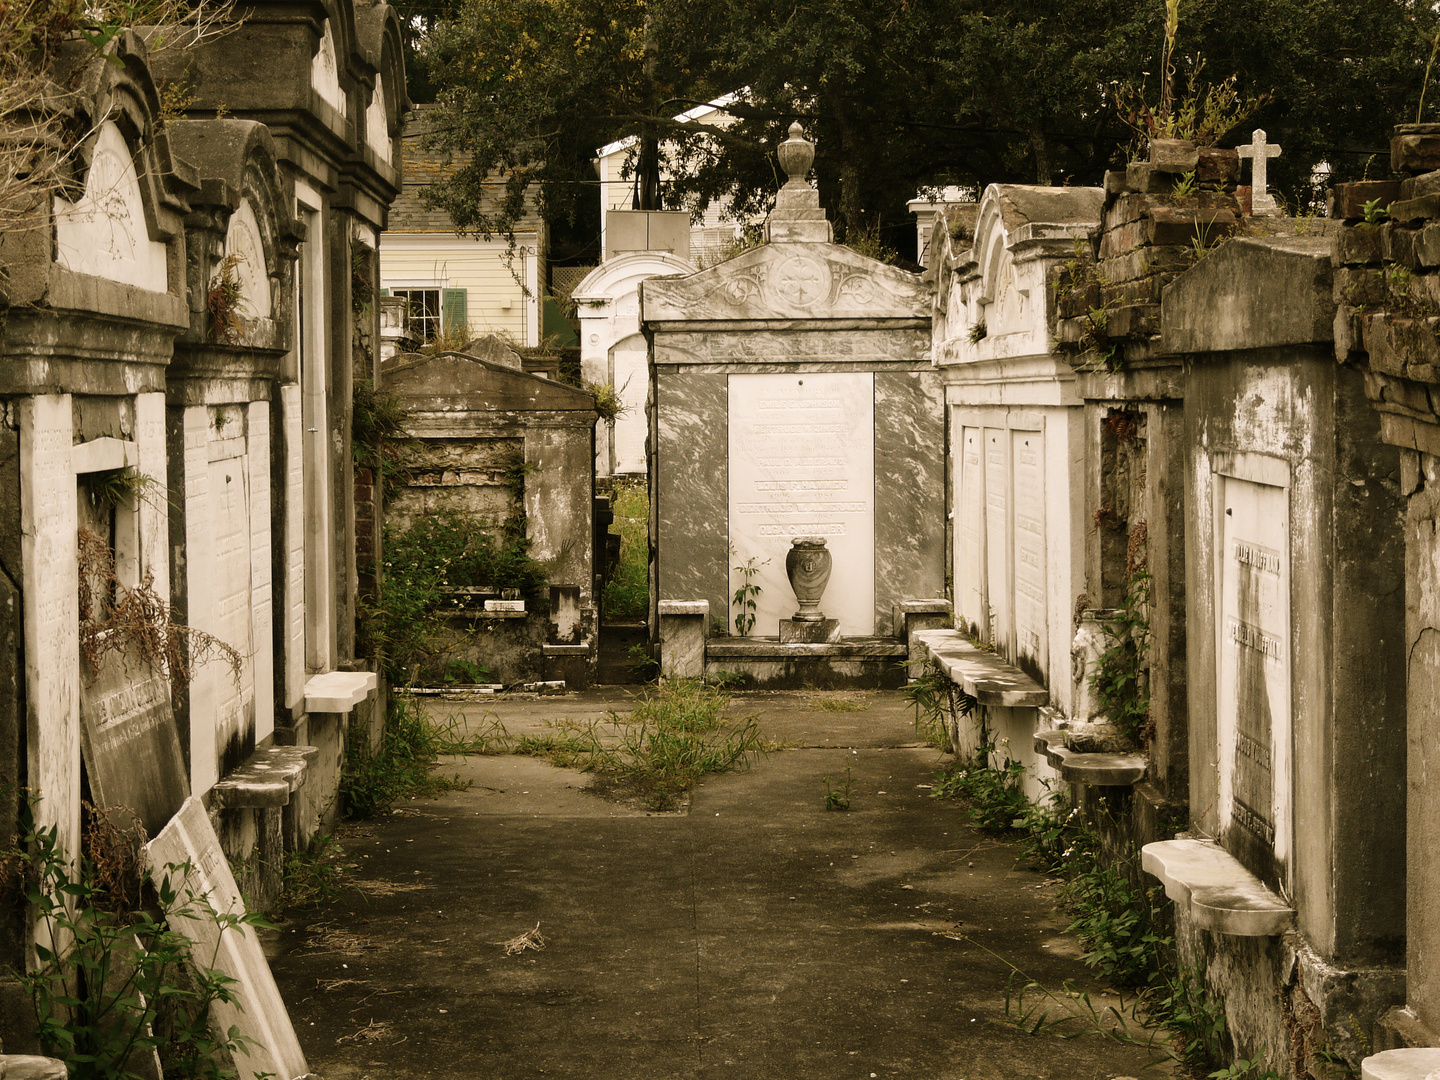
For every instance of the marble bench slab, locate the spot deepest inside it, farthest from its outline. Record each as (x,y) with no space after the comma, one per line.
(270,776)
(1096,770)
(982,675)
(1219,893)
(338,691)
(1409,1063)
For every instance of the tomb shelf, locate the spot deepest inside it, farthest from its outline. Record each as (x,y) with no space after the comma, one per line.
(1408,1063)
(1095,770)
(1217,891)
(982,675)
(849,648)
(268,778)
(338,691)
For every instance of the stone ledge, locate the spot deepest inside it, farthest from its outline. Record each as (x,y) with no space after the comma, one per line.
(982,675)
(565,650)
(849,648)
(1420,1063)
(1218,893)
(923,607)
(338,691)
(685,607)
(270,776)
(1096,770)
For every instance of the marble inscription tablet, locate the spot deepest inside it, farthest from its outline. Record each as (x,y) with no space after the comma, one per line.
(1253,651)
(969,530)
(802,463)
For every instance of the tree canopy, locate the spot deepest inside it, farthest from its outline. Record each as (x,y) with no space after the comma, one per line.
(898,94)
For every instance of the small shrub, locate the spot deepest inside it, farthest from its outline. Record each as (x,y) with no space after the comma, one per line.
(996,796)
(401,767)
(627,591)
(837,796)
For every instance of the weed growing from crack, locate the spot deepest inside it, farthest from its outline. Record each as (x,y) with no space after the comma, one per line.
(837,797)
(400,767)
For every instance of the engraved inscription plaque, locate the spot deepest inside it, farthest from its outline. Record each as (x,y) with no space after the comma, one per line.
(1253,650)
(969,522)
(802,463)
(999,613)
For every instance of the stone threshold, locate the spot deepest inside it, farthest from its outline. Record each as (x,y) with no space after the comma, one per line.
(882,648)
(268,778)
(1216,891)
(982,675)
(1410,1063)
(1095,770)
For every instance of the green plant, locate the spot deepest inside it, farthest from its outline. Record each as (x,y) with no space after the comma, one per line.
(1120,680)
(312,876)
(627,589)
(868,242)
(463,672)
(1246,1070)
(1373,212)
(608,402)
(1204,116)
(996,796)
(400,767)
(643,661)
(111,980)
(935,697)
(746,594)
(837,796)
(117,487)
(224,299)
(978,332)
(1184,186)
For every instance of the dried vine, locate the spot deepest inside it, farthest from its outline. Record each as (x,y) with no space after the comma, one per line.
(135,620)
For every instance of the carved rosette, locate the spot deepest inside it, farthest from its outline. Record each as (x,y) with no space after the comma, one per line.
(808,564)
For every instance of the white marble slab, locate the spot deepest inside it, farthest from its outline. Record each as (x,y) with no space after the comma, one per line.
(258,1011)
(802,463)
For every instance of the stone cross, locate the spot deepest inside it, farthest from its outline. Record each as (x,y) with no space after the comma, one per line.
(1259,152)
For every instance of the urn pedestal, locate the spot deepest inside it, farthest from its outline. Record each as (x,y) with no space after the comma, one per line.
(808,564)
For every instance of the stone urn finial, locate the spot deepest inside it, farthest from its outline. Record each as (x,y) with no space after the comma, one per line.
(808,564)
(796,154)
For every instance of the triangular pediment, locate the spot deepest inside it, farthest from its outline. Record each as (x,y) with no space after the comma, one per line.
(469,382)
(789,281)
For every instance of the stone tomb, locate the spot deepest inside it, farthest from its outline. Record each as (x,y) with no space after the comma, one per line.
(792,396)
(189,842)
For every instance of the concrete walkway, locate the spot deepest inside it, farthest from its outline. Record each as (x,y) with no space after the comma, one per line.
(754,936)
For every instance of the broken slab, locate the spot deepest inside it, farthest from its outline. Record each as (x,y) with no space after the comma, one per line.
(1219,893)
(1410,1063)
(268,778)
(257,1011)
(982,675)
(1096,770)
(31,1067)
(338,691)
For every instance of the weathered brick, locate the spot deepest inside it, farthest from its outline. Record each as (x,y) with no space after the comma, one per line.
(1174,156)
(1114,182)
(1357,245)
(1397,245)
(1142,177)
(1406,210)
(1357,286)
(1415,151)
(1185,226)
(1427,245)
(1134,320)
(1348,200)
(1218,166)
(1417,186)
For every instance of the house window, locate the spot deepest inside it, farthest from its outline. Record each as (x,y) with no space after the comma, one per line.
(424,307)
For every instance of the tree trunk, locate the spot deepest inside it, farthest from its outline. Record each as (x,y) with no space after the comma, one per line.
(1042,156)
(647,169)
(850,212)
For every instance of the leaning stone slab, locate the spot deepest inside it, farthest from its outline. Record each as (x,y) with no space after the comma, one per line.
(258,1011)
(1219,894)
(982,675)
(1410,1063)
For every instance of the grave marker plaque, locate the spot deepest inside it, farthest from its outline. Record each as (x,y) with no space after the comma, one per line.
(1253,650)
(259,1012)
(802,463)
(1027,453)
(995,621)
(127,734)
(969,539)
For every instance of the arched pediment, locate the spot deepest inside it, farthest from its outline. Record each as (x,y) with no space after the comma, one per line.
(623,273)
(790,281)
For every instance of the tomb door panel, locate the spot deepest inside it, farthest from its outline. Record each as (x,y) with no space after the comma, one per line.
(970,529)
(1027,456)
(802,463)
(1000,613)
(629,374)
(233,622)
(1253,650)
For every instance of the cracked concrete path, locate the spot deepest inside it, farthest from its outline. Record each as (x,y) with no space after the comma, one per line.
(753,936)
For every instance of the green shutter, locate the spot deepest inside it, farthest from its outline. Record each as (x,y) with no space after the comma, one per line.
(452,311)
(384,292)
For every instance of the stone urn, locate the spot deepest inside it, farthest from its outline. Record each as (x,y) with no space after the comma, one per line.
(808,564)
(1089,730)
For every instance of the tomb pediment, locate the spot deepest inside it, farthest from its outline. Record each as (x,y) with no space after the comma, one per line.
(1273,291)
(789,281)
(458,382)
